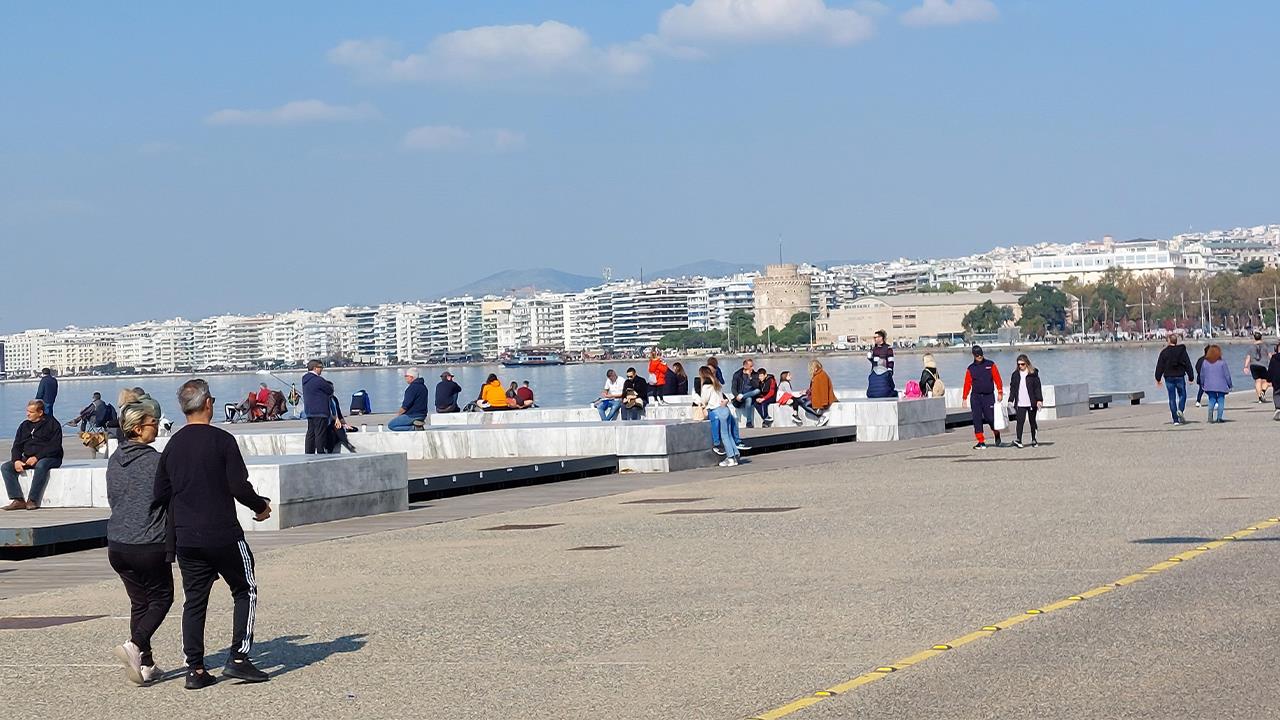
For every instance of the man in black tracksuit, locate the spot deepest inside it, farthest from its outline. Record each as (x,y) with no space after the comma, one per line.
(200,478)
(985,393)
(316,394)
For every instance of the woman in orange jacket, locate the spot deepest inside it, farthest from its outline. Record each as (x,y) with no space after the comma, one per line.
(657,377)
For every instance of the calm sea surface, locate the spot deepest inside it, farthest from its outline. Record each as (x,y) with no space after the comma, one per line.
(1102,367)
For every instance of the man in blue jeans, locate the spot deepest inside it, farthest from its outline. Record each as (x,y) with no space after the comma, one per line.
(414,406)
(610,401)
(1173,369)
(37,446)
(746,388)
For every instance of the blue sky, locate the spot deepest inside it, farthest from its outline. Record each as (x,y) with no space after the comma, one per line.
(169,158)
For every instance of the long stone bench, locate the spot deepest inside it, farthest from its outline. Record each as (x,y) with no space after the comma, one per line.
(303,489)
(641,446)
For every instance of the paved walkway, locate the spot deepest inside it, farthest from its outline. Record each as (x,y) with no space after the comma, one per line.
(733,594)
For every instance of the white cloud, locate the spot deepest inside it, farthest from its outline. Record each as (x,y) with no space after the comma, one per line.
(492,52)
(445,138)
(747,21)
(294,113)
(950,12)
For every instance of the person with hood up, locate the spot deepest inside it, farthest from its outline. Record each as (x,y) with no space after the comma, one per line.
(136,543)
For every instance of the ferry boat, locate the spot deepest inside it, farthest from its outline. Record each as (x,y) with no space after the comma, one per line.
(533,360)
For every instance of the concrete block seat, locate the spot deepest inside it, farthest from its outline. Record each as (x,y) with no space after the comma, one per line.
(303,489)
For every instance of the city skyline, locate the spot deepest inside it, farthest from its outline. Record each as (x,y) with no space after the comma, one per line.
(344,154)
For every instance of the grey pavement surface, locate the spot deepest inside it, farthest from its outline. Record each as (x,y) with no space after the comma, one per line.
(890,549)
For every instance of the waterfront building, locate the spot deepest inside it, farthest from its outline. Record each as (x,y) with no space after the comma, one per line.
(156,346)
(779,294)
(912,317)
(711,306)
(642,314)
(1089,262)
(464,327)
(75,351)
(22,352)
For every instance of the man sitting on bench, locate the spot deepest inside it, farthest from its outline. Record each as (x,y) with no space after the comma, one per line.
(37,447)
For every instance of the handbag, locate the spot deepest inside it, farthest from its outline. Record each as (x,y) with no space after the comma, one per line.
(939,388)
(699,413)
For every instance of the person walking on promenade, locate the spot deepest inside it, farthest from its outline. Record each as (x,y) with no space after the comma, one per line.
(200,478)
(447,393)
(677,380)
(1199,385)
(746,388)
(1173,369)
(1216,377)
(37,446)
(316,395)
(1027,397)
(635,392)
(881,353)
(658,372)
(768,396)
(724,426)
(415,404)
(931,384)
(136,536)
(985,393)
(47,390)
(1273,377)
(610,402)
(1256,363)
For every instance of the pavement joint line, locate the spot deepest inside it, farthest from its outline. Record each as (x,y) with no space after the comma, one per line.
(987,631)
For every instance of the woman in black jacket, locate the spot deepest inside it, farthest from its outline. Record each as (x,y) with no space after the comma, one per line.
(677,380)
(1027,396)
(1273,377)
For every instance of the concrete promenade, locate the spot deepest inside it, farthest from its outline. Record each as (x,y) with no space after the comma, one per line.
(735,593)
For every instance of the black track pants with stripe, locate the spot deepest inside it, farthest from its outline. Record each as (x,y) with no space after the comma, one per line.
(200,568)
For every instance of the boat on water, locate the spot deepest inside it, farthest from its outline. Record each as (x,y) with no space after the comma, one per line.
(533,360)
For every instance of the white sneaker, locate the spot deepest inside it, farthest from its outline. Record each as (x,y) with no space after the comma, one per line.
(740,446)
(822,421)
(131,656)
(728,462)
(151,673)
(1197,403)
(717,449)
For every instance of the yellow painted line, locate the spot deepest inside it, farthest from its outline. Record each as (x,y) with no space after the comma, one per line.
(987,631)
(1129,579)
(1061,604)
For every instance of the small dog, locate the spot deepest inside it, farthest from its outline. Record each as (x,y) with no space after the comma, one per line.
(95,441)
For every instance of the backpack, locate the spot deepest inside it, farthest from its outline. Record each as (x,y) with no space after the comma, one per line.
(939,387)
(912,391)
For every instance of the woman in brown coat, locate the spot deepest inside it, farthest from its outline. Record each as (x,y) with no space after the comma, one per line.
(820,396)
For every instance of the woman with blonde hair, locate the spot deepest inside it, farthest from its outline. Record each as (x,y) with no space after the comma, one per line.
(1027,397)
(821,396)
(136,535)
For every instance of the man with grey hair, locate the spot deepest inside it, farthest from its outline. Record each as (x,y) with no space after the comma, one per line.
(37,447)
(414,407)
(200,478)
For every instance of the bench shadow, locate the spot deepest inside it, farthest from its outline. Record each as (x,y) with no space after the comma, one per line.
(283,655)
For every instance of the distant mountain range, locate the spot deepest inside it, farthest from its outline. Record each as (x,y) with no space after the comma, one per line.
(526,281)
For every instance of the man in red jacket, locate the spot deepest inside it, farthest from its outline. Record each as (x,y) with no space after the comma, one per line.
(985,393)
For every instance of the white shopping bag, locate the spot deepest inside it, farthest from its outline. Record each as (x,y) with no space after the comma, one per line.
(1001,416)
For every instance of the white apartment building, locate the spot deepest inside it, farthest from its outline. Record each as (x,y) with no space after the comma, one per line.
(722,297)
(166,346)
(231,341)
(295,337)
(834,287)
(968,275)
(76,351)
(497,321)
(544,316)
(22,353)
(642,314)
(1088,263)
(464,327)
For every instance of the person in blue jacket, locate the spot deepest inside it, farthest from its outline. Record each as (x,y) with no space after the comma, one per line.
(47,390)
(415,405)
(316,394)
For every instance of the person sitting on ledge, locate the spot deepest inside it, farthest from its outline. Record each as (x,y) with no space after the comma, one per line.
(414,406)
(447,392)
(36,447)
(492,396)
(524,396)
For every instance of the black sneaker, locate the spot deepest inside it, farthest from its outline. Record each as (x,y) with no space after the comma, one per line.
(1035,443)
(717,450)
(242,669)
(980,446)
(199,680)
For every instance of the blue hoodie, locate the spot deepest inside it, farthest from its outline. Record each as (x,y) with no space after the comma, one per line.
(415,399)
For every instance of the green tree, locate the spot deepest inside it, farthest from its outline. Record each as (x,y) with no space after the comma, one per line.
(1010,285)
(796,332)
(1044,308)
(1253,267)
(986,318)
(742,328)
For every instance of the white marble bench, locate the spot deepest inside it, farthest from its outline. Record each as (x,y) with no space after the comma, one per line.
(303,489)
